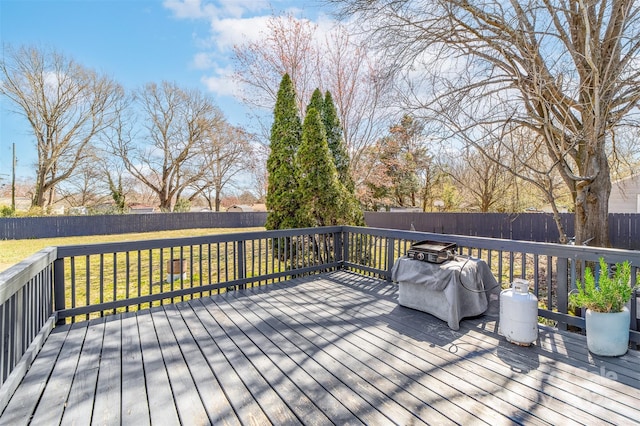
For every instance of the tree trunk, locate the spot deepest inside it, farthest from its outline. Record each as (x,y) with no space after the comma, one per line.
(165,204)
(218,201)
(38,196)
(592,205)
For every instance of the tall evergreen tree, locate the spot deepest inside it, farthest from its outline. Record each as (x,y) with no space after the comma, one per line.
(336,142)
(321,193)
(324,199)
(316,102)
(285,140)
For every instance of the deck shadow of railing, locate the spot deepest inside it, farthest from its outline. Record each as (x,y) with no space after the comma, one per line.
(76,283)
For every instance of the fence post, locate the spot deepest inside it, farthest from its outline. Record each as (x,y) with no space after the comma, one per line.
(58,288)
(562,282)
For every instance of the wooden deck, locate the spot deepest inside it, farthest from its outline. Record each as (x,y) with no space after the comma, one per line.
(328,349)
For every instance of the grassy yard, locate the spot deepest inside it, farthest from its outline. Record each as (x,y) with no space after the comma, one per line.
(14,251)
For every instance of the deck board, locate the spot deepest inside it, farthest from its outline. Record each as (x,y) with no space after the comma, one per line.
(21,406)
(505,361)
(82,393)
(108,398)
(481,371)
(51,405)
(437,379)
(217,405)
(207,333)
(329,349)
(362,367)
(134,388)
(267,358)
(188,403)
(160,403)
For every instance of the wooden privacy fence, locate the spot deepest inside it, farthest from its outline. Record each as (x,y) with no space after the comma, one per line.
(19,228)
(624,229)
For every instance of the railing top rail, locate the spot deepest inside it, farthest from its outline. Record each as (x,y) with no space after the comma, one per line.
(102,248)
(547,249)
(13,279)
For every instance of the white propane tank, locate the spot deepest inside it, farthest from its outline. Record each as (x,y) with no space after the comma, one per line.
(519,314)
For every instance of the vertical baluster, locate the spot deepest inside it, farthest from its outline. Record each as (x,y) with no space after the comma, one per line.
(150,255)
(511,263)
(161,274)
(549,283)
(218,260)
(5,342)
(73,285)
(139,265)
(500,261)
(115,279)
(200,264)
(12,335)
(260,271)
(127,276)
(181,272)
(88,283)
(226,262)
(536,271)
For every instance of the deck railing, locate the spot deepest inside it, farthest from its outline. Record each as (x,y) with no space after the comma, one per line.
(100,279)
(551,269)
(74,283)
(27,317)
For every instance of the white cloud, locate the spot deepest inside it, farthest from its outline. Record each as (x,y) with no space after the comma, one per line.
(231,31)
(237,8)
(203,61)
(219,9)
(221,82)
(189,9)
(232,22)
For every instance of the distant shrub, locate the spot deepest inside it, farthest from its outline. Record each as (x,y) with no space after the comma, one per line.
(6,211)
(35,211)
(182,205)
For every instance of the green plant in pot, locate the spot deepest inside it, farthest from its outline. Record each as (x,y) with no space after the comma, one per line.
(607,317)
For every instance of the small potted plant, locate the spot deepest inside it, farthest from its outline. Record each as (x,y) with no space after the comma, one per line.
(607,317)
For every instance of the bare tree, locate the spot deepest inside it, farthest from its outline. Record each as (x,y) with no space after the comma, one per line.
(66,105)
(336,61)
(168,158)
(86,186)
(225,155)
(288,46)
(258,170)
(486,183)
(567,70)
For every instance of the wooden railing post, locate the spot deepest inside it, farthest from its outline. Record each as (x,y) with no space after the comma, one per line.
(58,288)
(391,256)
(562,289)
(240,263)
(338,253)
(346,237)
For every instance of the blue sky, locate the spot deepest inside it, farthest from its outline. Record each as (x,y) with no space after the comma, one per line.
(136,42)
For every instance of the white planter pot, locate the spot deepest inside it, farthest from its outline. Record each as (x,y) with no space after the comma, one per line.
(608,332)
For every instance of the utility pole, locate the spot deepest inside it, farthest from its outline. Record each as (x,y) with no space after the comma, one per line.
(13,180)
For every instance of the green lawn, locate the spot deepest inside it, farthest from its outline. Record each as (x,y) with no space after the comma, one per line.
(14,251)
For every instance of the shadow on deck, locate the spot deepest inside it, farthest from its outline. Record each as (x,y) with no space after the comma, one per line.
(331,348)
